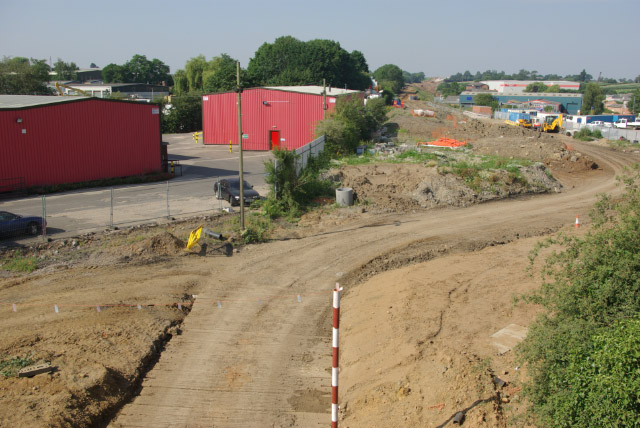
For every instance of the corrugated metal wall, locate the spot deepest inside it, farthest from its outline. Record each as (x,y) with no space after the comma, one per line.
(79,141)
(293,114)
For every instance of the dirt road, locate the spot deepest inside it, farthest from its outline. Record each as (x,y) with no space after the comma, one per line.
(261,357)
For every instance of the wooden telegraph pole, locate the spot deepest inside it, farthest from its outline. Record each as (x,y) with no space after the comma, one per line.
(239,91)
(324,98)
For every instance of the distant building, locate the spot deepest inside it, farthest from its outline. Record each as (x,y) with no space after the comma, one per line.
(518,86)
(131,91)
(565,103)
(477,86)
(89,75)
(272,117)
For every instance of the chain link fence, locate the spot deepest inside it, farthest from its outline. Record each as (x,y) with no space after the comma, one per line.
(80,212)
(608,133)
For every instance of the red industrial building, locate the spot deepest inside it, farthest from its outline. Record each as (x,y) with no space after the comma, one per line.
(47,140)
(281,116)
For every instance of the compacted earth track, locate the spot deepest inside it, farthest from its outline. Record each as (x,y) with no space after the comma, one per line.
(255,350)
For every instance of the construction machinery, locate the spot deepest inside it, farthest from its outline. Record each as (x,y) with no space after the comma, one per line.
(59,87)
(552,124)
(525,123)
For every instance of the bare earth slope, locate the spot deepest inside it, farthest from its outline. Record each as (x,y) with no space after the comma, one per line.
(261,357)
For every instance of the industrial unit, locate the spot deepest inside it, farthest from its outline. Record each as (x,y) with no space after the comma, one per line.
(136,91)
(48,140)
(566,103)
(518,86)
(272,117)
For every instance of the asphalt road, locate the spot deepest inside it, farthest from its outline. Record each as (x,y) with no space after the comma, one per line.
(72,213)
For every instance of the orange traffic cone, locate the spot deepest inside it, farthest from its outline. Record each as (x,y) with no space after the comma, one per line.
(577,222)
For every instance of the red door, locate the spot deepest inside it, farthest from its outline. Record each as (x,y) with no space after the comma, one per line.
(274,138)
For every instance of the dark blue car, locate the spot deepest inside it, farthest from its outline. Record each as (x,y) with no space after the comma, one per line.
(14,224)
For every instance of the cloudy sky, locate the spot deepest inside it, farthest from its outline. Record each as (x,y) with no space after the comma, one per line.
(438,38)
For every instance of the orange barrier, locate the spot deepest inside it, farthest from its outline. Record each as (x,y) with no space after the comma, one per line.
(443,142)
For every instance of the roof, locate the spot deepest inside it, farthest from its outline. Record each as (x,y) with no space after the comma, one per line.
(21,101)
(112,85)
(314,90)
(528,94)
(15,102)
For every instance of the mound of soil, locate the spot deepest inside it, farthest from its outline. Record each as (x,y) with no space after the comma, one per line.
(407,187)
(164,244)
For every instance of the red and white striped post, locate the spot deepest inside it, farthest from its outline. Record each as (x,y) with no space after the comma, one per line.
(334,368)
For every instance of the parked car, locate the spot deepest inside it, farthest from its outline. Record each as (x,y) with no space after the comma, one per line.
(15,224)
(230,191)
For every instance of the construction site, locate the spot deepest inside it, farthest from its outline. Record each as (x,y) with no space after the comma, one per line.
(134,330)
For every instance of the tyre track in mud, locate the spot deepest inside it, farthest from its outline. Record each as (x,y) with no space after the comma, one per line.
(263,358)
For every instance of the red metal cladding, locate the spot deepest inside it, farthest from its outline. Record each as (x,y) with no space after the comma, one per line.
(79,141)
(293,114)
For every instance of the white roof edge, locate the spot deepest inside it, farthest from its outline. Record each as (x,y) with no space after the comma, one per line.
(314,90)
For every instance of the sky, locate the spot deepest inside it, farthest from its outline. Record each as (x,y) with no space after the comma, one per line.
(438,38)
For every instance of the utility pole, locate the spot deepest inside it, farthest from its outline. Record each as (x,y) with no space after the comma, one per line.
(324,98)
(239,91)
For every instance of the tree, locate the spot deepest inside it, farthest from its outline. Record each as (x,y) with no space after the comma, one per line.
(350,123)
(593,99)
(114,73)
(137,70)
(65,70)
(180,83)
(184,114)
(23,76)
(553,89)
(634,104)
(390,75)
(536,87)
(637,79)
(584,77)
(141,70)
(359,61)
(412,77)
(194,69)
(486,100)
(289,61)
(93,65)
(451,88)
(221,74)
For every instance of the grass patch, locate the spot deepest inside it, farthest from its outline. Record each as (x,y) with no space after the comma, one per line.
(257,228)
(620,144)
(9,367)
(484,169)
(19,263)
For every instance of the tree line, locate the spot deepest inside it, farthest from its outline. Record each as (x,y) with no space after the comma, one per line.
(29,76)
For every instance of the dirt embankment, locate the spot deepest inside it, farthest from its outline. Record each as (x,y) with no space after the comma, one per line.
(408,187)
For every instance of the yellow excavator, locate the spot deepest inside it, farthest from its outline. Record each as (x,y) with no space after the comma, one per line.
(59,87)
(552,124)
(525,123)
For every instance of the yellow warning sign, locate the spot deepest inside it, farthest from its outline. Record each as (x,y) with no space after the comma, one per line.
(194,237)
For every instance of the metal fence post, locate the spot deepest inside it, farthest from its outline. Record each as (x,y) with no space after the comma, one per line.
(168,213)
(219,194)
(44,218)
(111,218)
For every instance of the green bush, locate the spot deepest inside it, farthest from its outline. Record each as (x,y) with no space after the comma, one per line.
(350,123)
(184,115)
(583,363)
(585,134)
(292,193)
